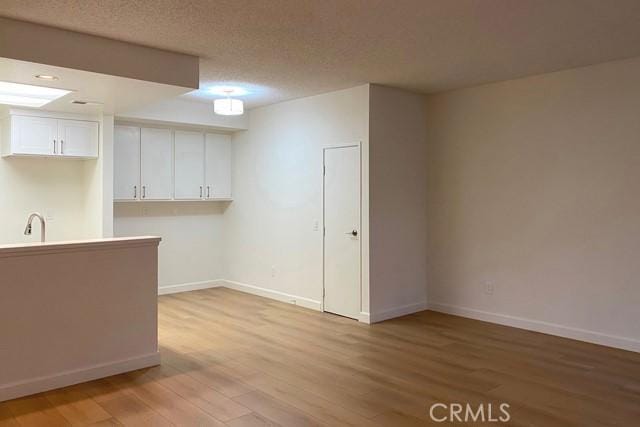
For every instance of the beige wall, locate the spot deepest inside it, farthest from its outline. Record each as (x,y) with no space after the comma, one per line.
(193,238)
(398,219)
(277,188)
(53,187)
(75,196)
(533,187)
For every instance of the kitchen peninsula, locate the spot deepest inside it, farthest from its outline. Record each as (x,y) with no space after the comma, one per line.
(76,311)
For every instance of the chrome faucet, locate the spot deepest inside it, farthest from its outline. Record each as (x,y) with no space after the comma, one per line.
(27,229)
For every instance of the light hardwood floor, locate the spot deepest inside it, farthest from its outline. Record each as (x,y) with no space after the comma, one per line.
(234,359)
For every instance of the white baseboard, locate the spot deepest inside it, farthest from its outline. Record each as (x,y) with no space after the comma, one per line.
(364,317)
(402,310)
(276,295)
(64,379)
(185,287)
(624,343)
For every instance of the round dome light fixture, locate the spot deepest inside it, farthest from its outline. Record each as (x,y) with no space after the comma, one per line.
(228,106)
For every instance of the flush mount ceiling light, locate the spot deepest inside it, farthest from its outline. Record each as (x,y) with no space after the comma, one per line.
(46,77)
(222,90)
(28,95)
(228,106)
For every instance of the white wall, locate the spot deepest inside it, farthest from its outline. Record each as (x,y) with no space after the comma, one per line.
(398,208)
(277,186)
(533,187)
(69,192)
(193,237)
(53,187)
(183,112)
(98,188)
(193,233)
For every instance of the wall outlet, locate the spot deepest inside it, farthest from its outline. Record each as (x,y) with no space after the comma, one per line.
(489,288)
(316,225)
(273,271)
(145,211)
(50,215)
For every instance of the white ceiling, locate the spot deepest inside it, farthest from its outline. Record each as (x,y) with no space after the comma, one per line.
(284,49)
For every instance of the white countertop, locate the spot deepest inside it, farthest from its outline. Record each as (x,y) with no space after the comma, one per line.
(75,245)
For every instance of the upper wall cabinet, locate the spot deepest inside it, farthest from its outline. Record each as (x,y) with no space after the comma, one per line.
(158,164)
(126,163)
(49,136)
(156,155)
(78,138)
(218,166)
(189,165)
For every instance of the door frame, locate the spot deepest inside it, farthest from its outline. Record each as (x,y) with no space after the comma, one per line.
(357,145)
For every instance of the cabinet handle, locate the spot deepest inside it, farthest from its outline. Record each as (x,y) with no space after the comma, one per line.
(144,191)
(201,191)
(135,191)
(61,146)
(208,191)
(54,147)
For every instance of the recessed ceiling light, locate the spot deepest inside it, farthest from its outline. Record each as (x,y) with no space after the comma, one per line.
(46,77)
(81,102)
(28,95)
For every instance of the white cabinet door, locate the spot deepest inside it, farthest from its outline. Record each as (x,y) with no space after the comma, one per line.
(189,165)
(156,153)
(126,163)
(77,138)
(218,166)
(34,135)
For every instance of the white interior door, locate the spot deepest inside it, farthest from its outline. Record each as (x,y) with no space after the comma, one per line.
(156,152)
(189,165)
(342,249)
(218,166)
(126,163)
(34,135)
(78,138)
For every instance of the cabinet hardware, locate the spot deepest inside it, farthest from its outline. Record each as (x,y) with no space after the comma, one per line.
(201,191)
(208,191)
(135,191)
(61,146)
(54,147)
(144,191)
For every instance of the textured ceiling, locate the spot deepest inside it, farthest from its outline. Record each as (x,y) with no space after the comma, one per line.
(284,49)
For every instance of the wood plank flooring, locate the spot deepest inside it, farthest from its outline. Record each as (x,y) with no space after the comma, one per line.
(238,360)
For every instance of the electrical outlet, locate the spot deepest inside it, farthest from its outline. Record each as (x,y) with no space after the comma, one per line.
(50,215)
(273,271)
(316,225)
(489,288)
(145,211)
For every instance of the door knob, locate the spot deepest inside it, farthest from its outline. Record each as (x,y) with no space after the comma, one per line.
(353,233)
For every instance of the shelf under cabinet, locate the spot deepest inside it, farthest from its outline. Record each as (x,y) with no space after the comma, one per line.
(171,201)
